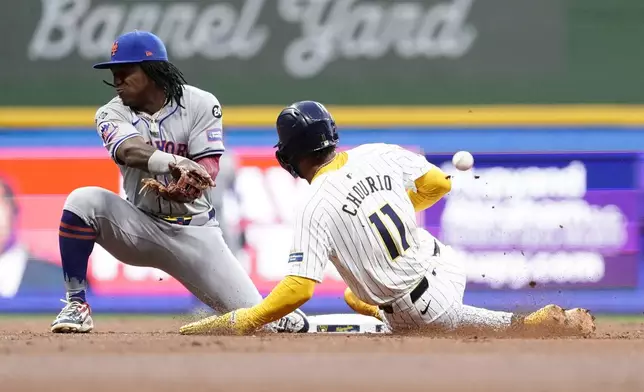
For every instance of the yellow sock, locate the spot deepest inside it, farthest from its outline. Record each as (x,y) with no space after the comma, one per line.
(359,306)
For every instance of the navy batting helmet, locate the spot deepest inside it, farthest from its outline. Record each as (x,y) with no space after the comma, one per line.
(302,128)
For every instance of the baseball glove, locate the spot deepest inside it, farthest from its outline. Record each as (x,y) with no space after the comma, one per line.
(189,180)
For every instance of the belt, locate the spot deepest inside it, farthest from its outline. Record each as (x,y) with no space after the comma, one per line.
(195,220)
(417,292)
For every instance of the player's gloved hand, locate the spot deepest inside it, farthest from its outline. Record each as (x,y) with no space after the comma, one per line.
(237,322)
(190,179)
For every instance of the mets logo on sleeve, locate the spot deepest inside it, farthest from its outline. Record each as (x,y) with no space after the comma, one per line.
(295,257)
(214,135)
(108,130)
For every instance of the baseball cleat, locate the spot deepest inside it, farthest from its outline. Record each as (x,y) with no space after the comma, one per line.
(295,322)
(76,317)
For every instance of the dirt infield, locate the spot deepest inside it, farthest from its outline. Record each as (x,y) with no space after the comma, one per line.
(148,355)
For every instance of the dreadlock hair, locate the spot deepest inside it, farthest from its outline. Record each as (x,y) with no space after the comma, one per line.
(165,75)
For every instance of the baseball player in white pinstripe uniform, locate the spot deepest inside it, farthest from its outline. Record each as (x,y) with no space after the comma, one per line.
(360,214)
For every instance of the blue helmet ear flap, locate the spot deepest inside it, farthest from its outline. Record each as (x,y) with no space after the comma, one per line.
(283,161)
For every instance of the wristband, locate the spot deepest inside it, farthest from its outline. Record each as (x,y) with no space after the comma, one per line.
(159,161)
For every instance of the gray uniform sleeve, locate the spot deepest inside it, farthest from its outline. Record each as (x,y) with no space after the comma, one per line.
(114,127)
(206,135)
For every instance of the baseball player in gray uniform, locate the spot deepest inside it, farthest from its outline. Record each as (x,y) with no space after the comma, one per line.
(168,135)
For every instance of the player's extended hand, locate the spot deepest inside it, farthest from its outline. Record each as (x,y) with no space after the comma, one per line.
(190,179)
(236,322)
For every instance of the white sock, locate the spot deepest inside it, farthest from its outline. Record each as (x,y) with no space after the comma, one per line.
(483,318)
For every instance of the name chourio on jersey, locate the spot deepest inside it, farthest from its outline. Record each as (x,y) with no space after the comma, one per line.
(361,219)
(364,188)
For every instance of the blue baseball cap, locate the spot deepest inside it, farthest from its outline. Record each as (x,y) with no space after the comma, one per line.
(135,47)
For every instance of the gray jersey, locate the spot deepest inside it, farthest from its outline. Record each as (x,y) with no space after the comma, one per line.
(193,131)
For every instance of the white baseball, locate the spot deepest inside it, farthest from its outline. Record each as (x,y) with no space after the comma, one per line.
(463,160)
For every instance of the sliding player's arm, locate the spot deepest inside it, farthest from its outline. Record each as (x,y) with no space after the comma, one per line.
(425,182)
(307,261)
(430,188)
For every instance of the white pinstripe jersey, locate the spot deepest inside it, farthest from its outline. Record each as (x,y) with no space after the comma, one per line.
(361,218)
(193,131)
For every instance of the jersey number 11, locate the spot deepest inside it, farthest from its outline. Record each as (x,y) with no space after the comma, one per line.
(386,236)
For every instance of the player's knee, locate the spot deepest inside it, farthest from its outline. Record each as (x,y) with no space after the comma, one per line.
(86,199)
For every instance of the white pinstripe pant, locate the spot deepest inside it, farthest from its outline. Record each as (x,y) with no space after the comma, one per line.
(442,303)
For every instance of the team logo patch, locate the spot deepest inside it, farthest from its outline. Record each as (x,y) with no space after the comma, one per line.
(214,135)
(295,257)
(108,130)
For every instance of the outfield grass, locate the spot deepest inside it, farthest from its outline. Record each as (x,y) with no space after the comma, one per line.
(624,318)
